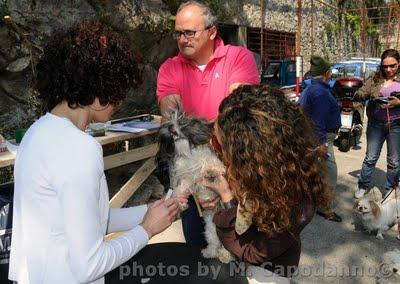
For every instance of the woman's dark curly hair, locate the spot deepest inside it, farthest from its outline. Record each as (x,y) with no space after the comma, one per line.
(87,61)
(270,154)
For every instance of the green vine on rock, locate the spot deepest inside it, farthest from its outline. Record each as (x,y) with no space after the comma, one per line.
(3,10)
(331,28)
(355,23)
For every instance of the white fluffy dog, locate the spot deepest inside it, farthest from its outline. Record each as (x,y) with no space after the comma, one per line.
(184,142)
(378,214)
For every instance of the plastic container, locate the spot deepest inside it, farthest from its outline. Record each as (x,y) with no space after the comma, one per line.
(19,134)
(97,129)
(3,146)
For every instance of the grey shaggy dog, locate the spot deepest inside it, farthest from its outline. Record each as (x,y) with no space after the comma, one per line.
(183,142)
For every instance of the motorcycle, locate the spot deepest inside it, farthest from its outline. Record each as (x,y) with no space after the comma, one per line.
(351,112)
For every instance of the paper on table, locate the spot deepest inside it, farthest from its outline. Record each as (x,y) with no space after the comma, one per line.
(133,126)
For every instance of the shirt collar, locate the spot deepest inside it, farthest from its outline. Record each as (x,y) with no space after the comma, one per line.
(219,51)
(319,81)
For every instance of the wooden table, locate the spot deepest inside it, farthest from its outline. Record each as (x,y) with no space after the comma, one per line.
(146,153)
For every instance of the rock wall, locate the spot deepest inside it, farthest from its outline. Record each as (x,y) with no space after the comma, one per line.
(332,37)
(147,23)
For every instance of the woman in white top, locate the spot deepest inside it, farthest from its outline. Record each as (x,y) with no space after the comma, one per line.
(61,212)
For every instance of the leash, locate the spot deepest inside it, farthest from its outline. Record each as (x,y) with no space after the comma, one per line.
(396,182)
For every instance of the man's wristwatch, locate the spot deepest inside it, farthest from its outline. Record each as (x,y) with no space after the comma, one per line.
(229,204)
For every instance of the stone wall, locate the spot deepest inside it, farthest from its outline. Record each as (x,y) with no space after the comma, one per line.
(332,37)
(147,23)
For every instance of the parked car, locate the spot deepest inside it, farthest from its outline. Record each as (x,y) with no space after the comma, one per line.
(280,73)
(355,68)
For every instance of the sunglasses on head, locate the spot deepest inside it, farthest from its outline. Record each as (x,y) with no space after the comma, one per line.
(389,66)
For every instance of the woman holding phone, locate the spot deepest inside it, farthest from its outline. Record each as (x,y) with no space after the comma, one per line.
(383,111)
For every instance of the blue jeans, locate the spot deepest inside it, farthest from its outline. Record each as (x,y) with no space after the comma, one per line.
(193,225)
(377,133)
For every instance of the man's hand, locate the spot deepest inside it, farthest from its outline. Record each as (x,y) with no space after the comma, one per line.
(323,149)
(168,104)
(160,216)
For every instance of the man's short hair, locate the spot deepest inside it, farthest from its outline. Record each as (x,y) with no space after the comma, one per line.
(209,18)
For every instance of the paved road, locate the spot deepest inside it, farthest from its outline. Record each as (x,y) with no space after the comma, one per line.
(338,246)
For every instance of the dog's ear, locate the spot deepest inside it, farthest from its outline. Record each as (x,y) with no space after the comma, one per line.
(376,211)
(375,194)
(197,130)
(166,143)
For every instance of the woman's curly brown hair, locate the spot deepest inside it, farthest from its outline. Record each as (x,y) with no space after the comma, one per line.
(269,150)
(87,61)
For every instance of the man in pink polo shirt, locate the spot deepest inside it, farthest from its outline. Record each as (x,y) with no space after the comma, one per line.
(196,81)
(205,71)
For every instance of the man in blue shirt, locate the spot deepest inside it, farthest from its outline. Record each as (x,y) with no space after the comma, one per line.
(321,106)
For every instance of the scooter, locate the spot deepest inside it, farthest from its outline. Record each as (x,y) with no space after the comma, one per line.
(351,112)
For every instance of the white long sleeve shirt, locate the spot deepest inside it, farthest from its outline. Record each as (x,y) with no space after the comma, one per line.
(61,211)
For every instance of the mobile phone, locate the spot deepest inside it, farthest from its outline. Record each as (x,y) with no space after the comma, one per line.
(395,94)
(381,100)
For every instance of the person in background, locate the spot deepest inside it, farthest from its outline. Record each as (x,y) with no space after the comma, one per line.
(383,122)
(321,106)
(196,81)
(61,212)
(272,175)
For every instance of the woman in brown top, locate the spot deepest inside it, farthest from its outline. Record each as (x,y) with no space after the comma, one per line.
(273,173)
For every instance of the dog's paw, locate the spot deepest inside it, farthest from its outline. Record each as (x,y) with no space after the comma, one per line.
(379,236)
(224,256)
(209,252)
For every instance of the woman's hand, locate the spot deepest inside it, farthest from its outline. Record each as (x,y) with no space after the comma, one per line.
(159,216)
(209,204)
(219,186)
(393,102)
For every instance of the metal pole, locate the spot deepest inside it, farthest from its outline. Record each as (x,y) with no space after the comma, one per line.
(262,35)
(298,47)
(312,26)
(363,33)
(398,31)
(388,27)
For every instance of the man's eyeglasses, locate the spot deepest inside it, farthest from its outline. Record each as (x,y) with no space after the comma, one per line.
(389,66)
(187,33)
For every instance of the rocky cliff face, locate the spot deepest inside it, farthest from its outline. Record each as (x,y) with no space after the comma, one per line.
(147,23)
(32,22)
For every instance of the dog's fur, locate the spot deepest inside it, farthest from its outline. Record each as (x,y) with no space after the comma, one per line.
(184,143)
(376,215)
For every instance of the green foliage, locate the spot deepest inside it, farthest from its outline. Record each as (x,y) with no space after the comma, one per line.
(355,23)
(172,5)
(3,9)
(219,9)
(102,15)
(331,28)
(373,32)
